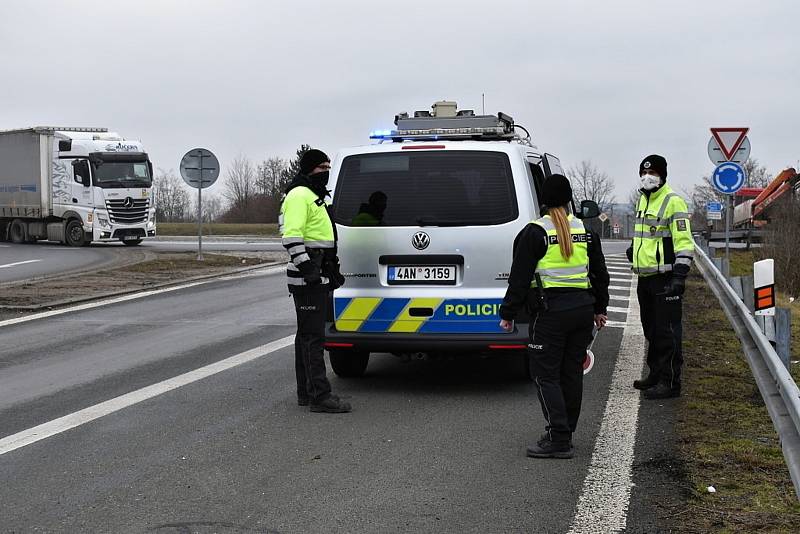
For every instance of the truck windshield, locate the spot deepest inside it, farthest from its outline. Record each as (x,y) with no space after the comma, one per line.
(122,174)
(431,188)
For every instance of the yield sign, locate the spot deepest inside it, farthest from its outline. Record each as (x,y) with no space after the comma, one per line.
(729,140)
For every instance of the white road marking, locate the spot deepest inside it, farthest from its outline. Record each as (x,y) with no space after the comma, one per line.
(619,288)
(613,269)
(7,265)
(62,424)
(603,504)
(617,310)
(134,296)
(617,279)
(615,324)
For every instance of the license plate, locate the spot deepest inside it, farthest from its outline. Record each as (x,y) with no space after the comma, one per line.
(422,274)
(130,237)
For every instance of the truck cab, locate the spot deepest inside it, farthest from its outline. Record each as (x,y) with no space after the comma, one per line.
(107,181)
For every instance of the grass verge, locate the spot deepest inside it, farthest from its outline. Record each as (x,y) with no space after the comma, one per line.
(742,265)
(726,438)
(210,229)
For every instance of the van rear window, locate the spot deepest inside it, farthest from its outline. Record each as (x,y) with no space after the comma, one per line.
(432,188)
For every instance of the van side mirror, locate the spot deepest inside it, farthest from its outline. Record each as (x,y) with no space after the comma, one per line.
(589,209)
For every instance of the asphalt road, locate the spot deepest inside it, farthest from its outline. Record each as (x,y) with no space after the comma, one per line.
(23,262)
(431,446)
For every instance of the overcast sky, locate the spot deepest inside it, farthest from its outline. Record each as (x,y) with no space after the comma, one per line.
(605,81)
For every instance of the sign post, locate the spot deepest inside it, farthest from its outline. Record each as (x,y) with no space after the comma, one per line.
(728,178)
(200,169)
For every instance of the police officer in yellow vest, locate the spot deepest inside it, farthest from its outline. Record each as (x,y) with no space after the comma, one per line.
(310,239)
(661,253)
(558,252)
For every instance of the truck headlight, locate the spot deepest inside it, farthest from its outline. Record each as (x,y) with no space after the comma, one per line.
(103,221)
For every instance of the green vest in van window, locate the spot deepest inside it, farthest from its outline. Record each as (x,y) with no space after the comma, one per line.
(553,269)
(662,236)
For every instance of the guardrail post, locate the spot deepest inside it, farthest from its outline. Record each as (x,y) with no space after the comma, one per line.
(748,292)
(783,335)
(726,268)
(736,283)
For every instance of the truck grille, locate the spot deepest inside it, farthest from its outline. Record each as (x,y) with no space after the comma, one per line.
(128,210)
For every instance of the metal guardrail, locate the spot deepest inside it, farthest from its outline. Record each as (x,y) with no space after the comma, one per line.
(779,391)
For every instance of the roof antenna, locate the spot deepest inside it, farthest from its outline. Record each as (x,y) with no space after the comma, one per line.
(483,100)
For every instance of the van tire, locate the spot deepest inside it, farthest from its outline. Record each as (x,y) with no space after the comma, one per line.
(17,232)
(349,363)
(73,233)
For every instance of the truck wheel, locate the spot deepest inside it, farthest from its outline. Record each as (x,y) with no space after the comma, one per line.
(132,243)
(73,234)
(349,363)
(17,232)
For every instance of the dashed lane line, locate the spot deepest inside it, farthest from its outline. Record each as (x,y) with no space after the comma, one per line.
(7,265)
(81,417)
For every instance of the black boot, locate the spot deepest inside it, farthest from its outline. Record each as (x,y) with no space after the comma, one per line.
(662,391)
(646,383)
(330,405)
(545,448)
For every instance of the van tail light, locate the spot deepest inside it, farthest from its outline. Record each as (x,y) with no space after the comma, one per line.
(508,347)
(338,345)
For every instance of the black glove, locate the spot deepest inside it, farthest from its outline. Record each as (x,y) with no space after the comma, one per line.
(333,273)
(629,253)
(675,286)
(310,272)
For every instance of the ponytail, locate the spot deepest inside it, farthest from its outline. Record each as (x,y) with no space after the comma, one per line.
(559,218)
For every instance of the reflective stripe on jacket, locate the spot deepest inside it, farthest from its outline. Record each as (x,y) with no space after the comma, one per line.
(662,234)
(305,226)
(553,269)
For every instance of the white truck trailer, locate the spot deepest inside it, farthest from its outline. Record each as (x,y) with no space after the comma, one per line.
(74,185)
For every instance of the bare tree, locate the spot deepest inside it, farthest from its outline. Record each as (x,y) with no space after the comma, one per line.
(240,188)
(213,207)
(272,177)
(171,196)
(757,175)
(590,183)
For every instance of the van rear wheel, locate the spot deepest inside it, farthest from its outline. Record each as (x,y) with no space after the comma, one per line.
(349,363)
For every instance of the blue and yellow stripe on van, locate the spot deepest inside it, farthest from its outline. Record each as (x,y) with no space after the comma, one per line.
(397,315)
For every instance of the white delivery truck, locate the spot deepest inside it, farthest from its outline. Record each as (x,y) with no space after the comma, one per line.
(74,185)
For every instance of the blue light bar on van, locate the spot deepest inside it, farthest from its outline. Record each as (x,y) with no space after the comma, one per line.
(438,133)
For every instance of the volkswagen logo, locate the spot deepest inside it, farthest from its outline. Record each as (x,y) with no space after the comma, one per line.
(128,203)
(421,240)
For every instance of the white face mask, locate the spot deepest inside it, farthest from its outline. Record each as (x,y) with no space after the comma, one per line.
(649,182)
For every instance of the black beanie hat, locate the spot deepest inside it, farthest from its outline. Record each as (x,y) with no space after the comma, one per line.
(654,162)
(311,159)
(556,191)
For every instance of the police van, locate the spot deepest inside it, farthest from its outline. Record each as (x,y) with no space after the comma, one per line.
(426,220)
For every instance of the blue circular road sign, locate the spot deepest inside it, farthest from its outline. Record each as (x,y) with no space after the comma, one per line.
(728,177)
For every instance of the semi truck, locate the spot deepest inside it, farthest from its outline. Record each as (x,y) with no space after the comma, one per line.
(75,186)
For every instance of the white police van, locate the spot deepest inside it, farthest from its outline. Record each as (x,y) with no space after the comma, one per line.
(426,221)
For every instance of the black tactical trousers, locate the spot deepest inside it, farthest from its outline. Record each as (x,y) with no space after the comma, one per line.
(557,349)
(661,322)
(311,304)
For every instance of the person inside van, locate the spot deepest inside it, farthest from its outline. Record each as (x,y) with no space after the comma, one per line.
(371,212)
(559,271)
